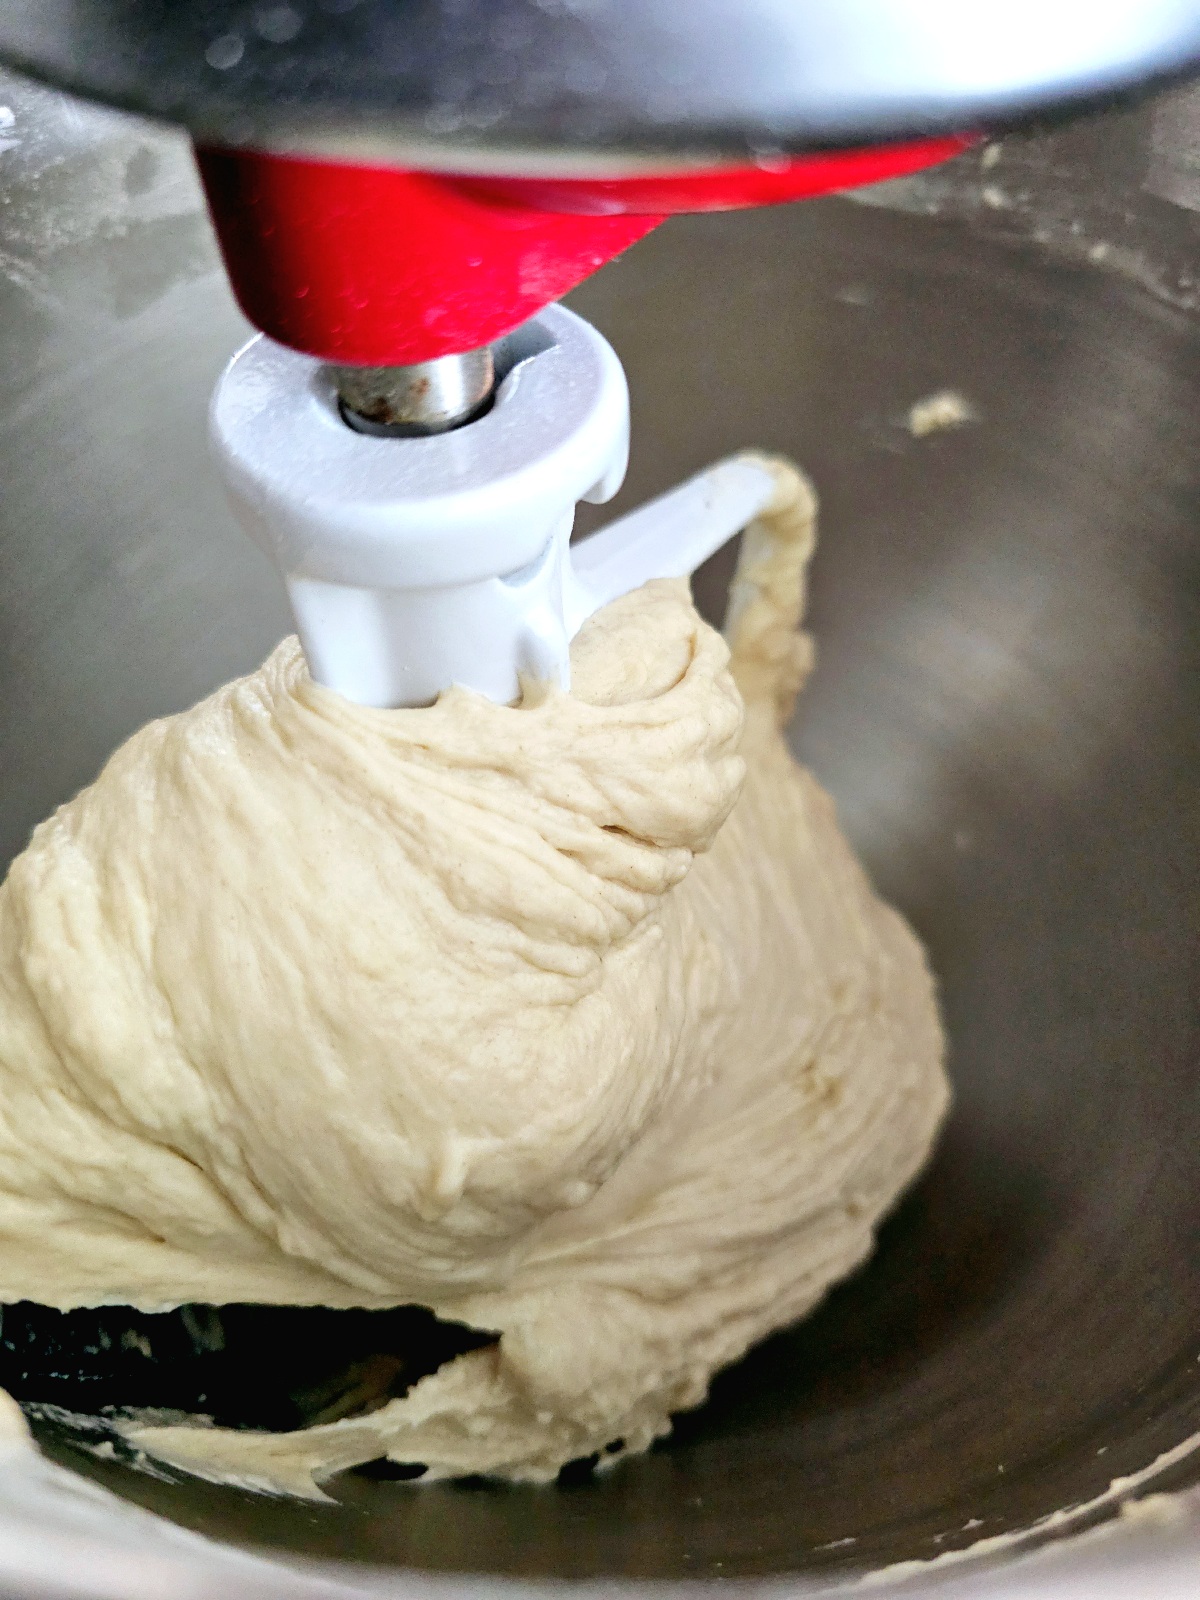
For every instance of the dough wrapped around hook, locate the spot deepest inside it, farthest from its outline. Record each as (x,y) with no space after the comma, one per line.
(575,1020)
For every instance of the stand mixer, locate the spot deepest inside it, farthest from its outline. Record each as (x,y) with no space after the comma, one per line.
(525,145)
(962,119)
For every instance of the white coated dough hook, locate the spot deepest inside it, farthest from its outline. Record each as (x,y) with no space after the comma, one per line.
(415,564)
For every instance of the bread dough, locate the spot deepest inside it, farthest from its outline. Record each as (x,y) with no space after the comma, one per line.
(574,1020)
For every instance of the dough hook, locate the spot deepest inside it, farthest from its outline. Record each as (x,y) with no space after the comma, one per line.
(415,563)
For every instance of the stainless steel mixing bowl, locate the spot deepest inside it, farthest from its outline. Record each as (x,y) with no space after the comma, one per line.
(1006,708)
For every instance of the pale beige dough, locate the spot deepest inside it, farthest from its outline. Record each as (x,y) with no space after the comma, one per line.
(575,1020)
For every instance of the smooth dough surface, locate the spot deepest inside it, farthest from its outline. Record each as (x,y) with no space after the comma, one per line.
(575,1020)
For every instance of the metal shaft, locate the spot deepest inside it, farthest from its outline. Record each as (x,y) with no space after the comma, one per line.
(411,402)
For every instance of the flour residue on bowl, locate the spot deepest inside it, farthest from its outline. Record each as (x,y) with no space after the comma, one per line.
(941,412)
(1085,1518)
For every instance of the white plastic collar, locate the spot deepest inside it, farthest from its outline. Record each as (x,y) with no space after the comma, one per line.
(414,564)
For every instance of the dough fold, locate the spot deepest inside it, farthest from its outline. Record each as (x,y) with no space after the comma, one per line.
(576,1021)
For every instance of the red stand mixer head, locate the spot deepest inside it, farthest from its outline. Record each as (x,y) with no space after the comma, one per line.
(377,266)
(410,259)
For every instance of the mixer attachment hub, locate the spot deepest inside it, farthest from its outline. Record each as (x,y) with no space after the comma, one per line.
(416,563)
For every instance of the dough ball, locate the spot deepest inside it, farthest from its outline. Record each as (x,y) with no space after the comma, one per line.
(575,1021)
